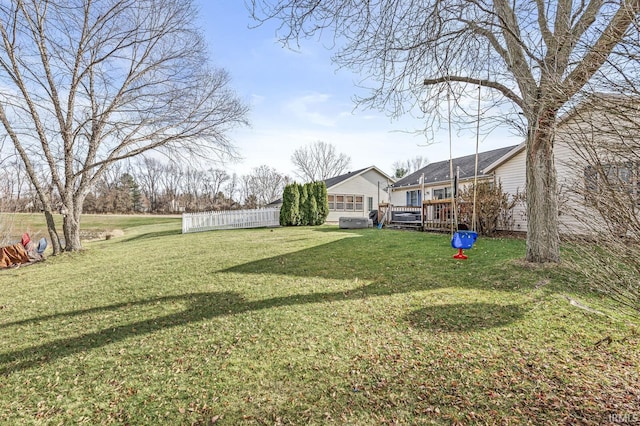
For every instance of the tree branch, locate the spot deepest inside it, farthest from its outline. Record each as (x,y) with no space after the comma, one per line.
(508,93)
(599,53)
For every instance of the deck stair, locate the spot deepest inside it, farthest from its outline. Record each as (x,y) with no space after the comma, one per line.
(408,220)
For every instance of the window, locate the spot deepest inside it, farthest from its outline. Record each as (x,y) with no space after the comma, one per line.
(347,202)
(332,202)
(414,198)
(441,194)
(369,203)
(624,177)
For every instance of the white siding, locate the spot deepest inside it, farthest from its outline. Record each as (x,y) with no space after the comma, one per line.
(368,184)
(399,196)
(512,176)
(569,167)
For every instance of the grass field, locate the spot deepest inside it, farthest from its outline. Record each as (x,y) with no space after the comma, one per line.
(307,326)
(13,225)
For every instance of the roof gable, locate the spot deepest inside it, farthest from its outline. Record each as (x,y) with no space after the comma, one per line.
(508,156)
(331,182)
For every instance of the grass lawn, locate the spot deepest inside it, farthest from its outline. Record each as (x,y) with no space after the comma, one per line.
(307,326)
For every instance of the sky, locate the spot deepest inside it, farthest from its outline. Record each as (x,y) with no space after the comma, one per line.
(298,97)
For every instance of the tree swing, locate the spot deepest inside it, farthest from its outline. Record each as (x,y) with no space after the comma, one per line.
(462,239)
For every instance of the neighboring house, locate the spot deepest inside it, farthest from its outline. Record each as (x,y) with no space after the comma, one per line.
(410,191)
(355,194)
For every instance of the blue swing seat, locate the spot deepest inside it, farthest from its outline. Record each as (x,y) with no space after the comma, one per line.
(464,239)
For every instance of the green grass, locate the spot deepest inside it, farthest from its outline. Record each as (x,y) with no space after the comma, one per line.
(307,326)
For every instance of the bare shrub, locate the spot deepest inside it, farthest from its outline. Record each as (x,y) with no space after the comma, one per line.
(605,197)
(494,207)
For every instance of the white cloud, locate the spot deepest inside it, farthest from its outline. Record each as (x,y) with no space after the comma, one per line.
(309,108)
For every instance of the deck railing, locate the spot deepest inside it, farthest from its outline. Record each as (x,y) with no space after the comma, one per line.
(432,215)
(230,219)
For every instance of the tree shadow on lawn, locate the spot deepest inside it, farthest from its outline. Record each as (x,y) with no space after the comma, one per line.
(148,235)
(204,306)
(465,317)
(396,265)
(344,259)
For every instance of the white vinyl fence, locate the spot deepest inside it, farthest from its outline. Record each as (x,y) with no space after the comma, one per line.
(230,219)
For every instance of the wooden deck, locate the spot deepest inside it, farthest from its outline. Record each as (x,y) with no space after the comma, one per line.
(433,216)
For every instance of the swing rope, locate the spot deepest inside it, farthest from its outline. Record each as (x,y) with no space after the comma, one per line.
(475,174)
(453,201)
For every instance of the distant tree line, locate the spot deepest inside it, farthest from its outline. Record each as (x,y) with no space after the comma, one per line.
(152,186)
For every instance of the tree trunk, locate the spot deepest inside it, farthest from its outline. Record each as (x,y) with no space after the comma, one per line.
(71,223)
(53,233)
(543,241)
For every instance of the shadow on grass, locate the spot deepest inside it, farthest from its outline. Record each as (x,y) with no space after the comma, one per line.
(149,235)
(404,264)
(413,262)
(465,317)
(203,306)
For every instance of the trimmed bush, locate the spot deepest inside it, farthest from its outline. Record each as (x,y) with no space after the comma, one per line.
(322,201)
(305,197)
(290,210)
(311,207)
(304,205)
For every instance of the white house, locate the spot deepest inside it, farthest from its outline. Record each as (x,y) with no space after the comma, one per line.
(596,152)
(411,191)
(357,193)
(596,140)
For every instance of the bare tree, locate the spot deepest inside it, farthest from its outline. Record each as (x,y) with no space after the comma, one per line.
(14,189)
(319,161)
(603,194)
(172,186)
(215,179)
(231,192)
(536,56)
(105,188)
(264,185)
(245,189)
(148,174)
(408,166)
(90,83)
(194,187)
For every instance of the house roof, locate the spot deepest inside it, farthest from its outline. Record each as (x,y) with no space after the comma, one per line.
(339,179)
(331,182)
(439,171)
